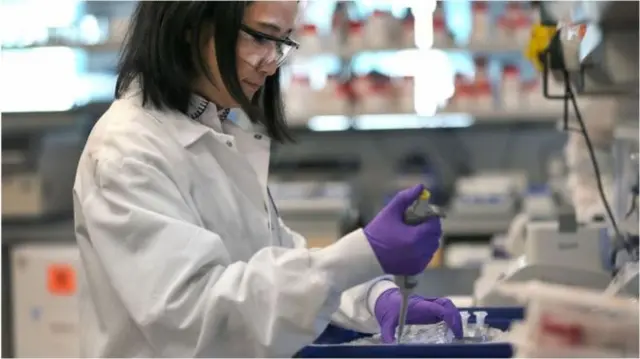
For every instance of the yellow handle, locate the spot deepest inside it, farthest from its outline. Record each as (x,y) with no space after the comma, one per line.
(540,39)
(425,195)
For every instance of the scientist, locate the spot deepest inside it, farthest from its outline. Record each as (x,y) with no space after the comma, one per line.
(183,253)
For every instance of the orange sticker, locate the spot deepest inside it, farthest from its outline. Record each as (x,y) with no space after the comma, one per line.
(61,279)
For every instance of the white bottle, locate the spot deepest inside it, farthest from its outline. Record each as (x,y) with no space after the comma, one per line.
(483,96)
(506,37)
(344,99)
(510,88)
(461,100)
(523,29)
(334,42)
(408,31)
(483,99)
(381,30)
(380,96)
(532,94)
(406,94)
(310,42)
(441,38)
(333,98)
(355,39)
(359,86)
(300,100)
(481,24)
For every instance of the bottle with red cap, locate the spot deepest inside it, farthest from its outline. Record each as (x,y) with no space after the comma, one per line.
(376,94)
(511,87)
(382,30)
(483,100)
(408,30)
(441,37)
(479,34)
(334,98)
(462,100)
(309,39)
(355,36)
(297,96)
(406,93)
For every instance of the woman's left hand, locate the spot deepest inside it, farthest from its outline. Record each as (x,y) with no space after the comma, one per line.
(420,311)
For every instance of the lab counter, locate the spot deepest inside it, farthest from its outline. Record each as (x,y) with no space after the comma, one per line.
(475,226)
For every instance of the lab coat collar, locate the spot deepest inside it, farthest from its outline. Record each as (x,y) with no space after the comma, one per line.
(236,128)
(203,117)
(206,112)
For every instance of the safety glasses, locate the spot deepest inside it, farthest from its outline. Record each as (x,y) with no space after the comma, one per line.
(268,48)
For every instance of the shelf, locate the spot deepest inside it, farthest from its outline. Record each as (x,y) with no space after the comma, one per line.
(479,48)
(400,121)
(30,121)
(39,121)
(104,47)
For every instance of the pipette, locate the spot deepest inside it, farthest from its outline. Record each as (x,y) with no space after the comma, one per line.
(419,212)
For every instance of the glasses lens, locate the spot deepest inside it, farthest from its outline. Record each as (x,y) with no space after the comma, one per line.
(283,51)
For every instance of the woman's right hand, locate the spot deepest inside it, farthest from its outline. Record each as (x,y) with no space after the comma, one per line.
(403,249)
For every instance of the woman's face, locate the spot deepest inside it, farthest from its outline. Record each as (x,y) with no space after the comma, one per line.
(256,57)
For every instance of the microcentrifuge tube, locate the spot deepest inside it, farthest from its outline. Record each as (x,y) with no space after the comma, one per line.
(480,322)
(464,315)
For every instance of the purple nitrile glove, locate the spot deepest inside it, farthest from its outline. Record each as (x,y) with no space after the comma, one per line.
(403,249)
(420,311)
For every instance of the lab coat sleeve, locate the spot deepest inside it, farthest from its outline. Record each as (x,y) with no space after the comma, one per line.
(356,310)
(182,290)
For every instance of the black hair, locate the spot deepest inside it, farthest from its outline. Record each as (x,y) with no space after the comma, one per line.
(163,51)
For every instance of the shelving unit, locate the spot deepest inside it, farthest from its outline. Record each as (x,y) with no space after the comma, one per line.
(349,58)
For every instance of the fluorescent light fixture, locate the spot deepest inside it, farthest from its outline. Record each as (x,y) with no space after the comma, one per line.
(30,84)
(328,123)
(411,121)
(390,122)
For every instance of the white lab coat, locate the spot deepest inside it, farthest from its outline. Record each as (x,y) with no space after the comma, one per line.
(182,251)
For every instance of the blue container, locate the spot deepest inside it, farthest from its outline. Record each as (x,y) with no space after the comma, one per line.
(499,318)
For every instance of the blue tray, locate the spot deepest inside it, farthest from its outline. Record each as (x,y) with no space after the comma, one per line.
(326,345)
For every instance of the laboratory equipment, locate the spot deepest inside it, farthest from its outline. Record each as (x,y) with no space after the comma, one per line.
(539,204)
(569,318)
(626,280)
(484,203)
(38,168)
(598,43)
(337,342)
(419,212)
(480,329)
(569,256)
(45,304)
(625,149)
(313,196)
(595,52)
(464,316)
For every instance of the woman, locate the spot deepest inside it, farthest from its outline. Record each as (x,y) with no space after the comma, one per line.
(183,251)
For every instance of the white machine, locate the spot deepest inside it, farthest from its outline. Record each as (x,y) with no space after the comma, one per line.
(38,170)
(484,203)
(312,208)
(597,46)
(572,257)
(45,304)
(604,61)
